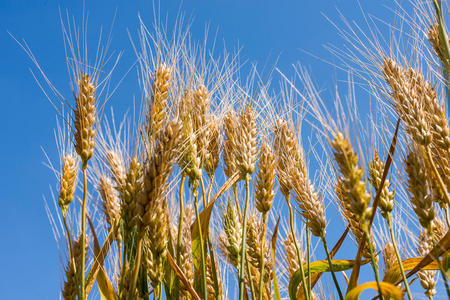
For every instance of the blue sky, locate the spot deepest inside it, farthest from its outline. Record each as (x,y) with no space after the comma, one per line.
(267,31)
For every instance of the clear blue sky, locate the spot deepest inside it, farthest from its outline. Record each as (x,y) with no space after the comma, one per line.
(29,262)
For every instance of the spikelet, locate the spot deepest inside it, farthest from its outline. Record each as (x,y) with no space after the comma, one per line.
(351,184)
(376,170)
(84,119)
(287,153)
(131,191)
(291,255)
(212,292)
(110,200)
(70,289)
(200,114)
(67,183)
(247,143)
(434,39)
(186,259)
(158,101)
(213,148)
(231,126)
(155,251)
(157,173)
(189,159)
(117,168)
(426,277)
(265,181)
(230,239)
(353,221)
(417,178)
(389,257)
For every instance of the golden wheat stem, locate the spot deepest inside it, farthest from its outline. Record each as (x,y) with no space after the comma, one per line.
(244,237)
(308,257)
(447,216)
(202,248)
(373,261)
(83,232)
(436,174)
(180,222)
(137,265)
(299,256)
(119,246)
(250,278)
(399,260)
(325,246)
(202,185)
(210,188)
(264,216)
(236,201)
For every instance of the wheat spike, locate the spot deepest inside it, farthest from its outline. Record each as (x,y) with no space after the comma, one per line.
(389,257)
(247,142)
(426,277)
(110,200)
(230,239)
(186,259)
(67,183)
(158,102)
(117,168)
(213,148)
(84,121)
(376,170)
(231,125)
(417,178)
(265,181)
(200,115)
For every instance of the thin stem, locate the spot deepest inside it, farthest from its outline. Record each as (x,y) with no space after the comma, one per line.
(119,247)
(202,184)
(436,174)
(299,256)
(236,201)
(137,264)
(374,263)
(210,189)
(244,237)
(69,240)
(399,260)
(180,223)
(447,216)
(308,257)
(83,233)
(250,279)
(325,246)
(264,216)
(202,246)
(213,267)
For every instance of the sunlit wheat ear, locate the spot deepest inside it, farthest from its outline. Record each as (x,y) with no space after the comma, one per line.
(389,258)
(200,115)
(67,183)
(353,220)
(427,278)
(70,289)
(189,158)
(231,126)
(417,187)
(287,154)
(264,190)
(213,293)
(230,239)
(376,170)
(351,182)
(212,157)
(84,118)
(291,254)
(407,98)
(247,142)
(186,259)
(117,168)
(157,173)
(158,101)
(131,190)
(435,41)
(110,200)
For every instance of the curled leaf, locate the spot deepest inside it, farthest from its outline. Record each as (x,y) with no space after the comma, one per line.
(387,289)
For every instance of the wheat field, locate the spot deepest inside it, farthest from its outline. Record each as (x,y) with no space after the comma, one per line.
(222,185)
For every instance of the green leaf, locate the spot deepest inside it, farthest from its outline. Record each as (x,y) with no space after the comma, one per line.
(394,274)
(387,289)
(276,289)
(319,266)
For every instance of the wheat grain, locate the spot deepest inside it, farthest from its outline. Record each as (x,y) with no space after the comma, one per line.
(67,183)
